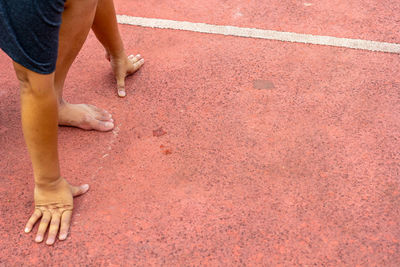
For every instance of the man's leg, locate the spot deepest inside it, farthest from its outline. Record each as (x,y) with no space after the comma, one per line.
(77,20)
(106,29)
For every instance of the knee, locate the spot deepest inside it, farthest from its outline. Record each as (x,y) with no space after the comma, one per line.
(23,78)
(34,83)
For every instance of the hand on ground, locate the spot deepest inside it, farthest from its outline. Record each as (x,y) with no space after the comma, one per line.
(122,67)
(54,205)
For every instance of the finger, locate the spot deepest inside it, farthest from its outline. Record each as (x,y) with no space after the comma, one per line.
(121,86)
(136,62)
(53,230)
(65,222)
(32,220)
(136,66)
(79,190)
(134,59)
(43,226)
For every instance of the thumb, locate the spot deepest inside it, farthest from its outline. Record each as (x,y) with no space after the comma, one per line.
(79,190)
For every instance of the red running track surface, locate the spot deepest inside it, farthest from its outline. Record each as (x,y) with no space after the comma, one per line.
(304,171)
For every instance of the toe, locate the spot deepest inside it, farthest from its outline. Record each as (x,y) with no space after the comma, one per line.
(100,114)
(103,116)
(104,126)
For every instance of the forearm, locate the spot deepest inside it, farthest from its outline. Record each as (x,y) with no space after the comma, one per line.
(105,27)
(39,114)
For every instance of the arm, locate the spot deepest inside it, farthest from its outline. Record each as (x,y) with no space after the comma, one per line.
(105,27)
(53,195)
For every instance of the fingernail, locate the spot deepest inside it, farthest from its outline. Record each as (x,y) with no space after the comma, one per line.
(39,239)
(138,55)
(50,241)
(63,236)
(121,93)
(142,60)
(26,230)
(85,187)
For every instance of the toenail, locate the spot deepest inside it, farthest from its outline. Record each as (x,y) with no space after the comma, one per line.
(121,93)
(109,124)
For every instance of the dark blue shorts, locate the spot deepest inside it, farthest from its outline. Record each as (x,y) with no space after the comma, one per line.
(29,32)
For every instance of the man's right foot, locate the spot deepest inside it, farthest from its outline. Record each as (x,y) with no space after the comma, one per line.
(86,117)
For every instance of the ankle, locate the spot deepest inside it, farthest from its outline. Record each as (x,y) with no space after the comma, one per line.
(61,102)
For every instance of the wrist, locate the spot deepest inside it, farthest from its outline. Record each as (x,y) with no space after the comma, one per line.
(47,182)
(117,53)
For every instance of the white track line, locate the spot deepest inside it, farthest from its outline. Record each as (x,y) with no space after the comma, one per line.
(262,34)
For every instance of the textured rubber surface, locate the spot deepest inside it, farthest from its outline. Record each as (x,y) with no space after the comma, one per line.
(227,151)
(362,19)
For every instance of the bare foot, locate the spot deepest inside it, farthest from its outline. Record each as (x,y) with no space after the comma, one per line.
(84,116)
(123,66)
